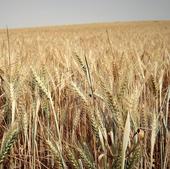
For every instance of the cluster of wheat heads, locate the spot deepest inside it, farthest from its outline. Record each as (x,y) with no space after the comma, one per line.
(93,99)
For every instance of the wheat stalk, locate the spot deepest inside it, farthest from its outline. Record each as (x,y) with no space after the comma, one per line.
(153,137)
(125,140)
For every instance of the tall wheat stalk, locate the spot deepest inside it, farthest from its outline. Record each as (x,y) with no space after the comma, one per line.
(125,140)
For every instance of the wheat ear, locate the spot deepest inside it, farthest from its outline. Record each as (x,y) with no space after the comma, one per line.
(8,141)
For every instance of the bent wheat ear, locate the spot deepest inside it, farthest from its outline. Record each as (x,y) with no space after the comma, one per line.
(40,84)
(57,154)
(71,157)
(80,62)
(85,159)
(8,140)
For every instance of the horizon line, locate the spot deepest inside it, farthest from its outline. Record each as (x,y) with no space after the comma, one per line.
(83,24)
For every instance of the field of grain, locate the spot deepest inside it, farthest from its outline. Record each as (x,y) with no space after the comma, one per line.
(85,97)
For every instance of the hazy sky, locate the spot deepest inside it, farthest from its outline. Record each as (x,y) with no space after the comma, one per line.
(28,13)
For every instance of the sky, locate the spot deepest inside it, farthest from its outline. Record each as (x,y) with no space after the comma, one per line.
(33,13)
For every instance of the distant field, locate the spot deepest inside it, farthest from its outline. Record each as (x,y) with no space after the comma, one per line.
(86,96)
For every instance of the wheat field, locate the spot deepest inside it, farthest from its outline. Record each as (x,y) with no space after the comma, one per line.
(85,97)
